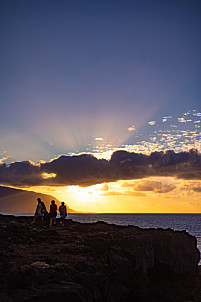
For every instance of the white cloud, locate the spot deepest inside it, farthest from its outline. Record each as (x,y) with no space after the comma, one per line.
(132,128)
(98,139)
(181,120)
(152,123)
(165,118)
(2,159)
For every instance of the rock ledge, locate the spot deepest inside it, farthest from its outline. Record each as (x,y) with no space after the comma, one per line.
(96,262)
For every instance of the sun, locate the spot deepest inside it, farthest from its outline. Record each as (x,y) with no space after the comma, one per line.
(85,199)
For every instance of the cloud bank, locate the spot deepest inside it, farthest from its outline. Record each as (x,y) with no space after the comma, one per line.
(155,186)
(86,169)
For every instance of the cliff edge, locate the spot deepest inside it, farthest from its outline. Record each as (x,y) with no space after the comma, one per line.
(96,262)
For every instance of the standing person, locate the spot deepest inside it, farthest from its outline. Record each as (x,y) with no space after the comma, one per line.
(63,212)
(40,210)
(53,213)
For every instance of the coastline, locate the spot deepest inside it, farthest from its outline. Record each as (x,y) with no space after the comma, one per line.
(96,262)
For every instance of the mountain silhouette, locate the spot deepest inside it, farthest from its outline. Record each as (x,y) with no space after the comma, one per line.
(22,201)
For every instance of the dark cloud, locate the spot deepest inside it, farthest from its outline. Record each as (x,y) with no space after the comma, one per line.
(86,170)
(184,165)
(155,186)
(197,189)
(22,173)
(83,170)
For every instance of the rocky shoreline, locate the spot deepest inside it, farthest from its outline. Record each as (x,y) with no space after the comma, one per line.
(96,262)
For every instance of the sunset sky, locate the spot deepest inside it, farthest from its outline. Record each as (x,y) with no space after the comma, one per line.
(101,82)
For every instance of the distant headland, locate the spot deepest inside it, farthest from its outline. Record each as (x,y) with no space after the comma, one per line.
(23,201)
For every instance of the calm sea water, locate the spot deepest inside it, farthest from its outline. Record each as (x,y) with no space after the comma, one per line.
(188,222)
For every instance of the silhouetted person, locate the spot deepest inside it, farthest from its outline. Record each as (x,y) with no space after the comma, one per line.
(53,213)
(63,212)
(40,210)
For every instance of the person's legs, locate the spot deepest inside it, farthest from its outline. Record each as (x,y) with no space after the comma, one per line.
(62,219)
(35,216)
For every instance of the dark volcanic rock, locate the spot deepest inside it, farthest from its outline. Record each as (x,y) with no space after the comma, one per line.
(96,262)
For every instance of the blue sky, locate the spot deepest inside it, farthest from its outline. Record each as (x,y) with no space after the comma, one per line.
(75,74)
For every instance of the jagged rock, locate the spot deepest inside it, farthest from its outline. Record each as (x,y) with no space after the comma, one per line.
(96,262)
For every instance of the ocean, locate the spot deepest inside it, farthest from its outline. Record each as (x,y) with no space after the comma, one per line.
(188,222)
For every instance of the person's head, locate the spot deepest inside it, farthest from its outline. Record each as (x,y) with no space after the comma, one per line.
(39,200)
(62,203)
(52,202)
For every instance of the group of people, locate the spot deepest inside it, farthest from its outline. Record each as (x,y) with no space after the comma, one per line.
(41,211)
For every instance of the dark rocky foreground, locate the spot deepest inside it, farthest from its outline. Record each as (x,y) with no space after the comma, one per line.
(96,262)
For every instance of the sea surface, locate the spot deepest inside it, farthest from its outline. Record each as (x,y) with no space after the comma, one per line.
(188,222)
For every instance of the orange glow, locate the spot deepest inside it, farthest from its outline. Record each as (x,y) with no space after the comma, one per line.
(125,197)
